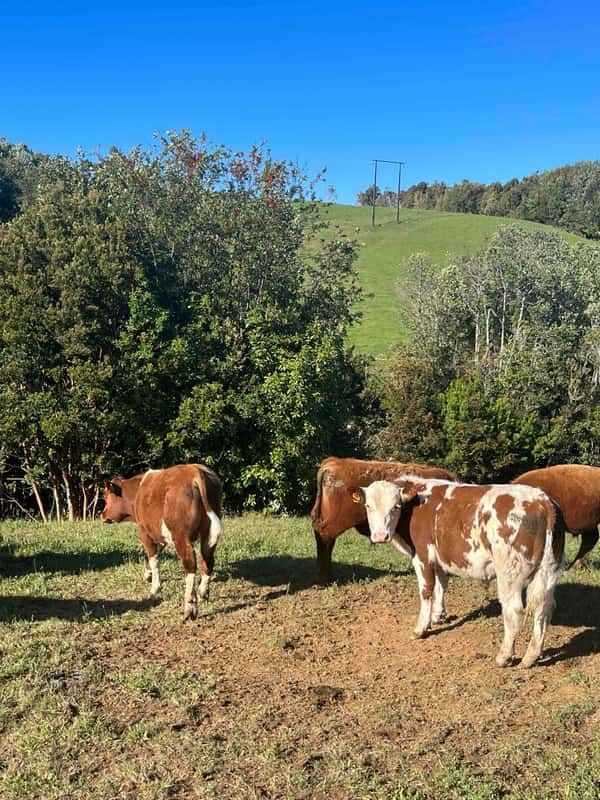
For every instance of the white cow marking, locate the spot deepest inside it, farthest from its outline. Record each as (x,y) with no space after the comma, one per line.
(166,533)
(216,529)
(154,563)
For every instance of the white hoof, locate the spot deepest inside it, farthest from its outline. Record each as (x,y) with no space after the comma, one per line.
(502,660)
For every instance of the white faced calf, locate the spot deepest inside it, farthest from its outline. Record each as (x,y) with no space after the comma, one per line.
(512,533)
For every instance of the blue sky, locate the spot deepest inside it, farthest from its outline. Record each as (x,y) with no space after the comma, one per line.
(483,90)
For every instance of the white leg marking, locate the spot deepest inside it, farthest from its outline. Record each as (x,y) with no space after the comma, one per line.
(216,529)
(190,587)
(204,586)
(441,584)
(424,619)
(148,574)
(155,572)
(190,605)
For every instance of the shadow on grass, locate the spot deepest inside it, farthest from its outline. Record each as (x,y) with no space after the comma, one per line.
(300,573)
(577,605)
(13,566)
(78,609)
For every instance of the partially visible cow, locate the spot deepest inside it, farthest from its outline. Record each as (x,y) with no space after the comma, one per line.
(513,533)
(334,512)
(174,506)
(576,489)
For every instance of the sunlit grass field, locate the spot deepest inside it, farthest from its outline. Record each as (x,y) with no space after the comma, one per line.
(384,248)
(280,689)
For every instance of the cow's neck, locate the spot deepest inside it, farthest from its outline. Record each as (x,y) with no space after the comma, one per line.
(130,488)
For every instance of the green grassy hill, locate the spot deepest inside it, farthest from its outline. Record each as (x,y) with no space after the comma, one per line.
(384,248)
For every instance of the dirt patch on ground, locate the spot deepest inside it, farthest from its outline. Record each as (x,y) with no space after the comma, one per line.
(333,674)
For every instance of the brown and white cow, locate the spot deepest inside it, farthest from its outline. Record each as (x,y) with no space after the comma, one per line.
(174,506)
(508,532)
(576,489)
(334,512)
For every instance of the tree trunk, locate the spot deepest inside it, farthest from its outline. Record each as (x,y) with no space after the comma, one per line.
(38,499)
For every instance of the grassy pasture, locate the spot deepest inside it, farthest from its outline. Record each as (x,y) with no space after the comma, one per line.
(383,249)
(280,689)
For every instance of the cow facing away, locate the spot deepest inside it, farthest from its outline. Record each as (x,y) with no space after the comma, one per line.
(334,512)
(511,533)
(576,489)
(174,506)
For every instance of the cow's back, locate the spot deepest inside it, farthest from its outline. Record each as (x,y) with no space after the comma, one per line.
(576,489)
(334,511)
(175,491)
(466,523)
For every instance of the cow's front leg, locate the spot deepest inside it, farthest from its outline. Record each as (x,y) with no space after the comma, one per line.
(152,570)
(324,551)
(187,554)
(441,584)
(426,582)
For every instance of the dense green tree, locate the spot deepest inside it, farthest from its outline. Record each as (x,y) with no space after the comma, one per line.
(160,306)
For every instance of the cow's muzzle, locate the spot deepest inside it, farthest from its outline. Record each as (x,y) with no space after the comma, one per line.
(380,537)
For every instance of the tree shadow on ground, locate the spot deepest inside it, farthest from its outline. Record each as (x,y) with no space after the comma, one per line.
(74,609)
(15,566)
(301,573)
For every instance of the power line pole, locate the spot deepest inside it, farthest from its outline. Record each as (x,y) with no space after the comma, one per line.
(399,164)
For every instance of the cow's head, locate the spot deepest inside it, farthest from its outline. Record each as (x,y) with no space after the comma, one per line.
(383,502)
(117,508)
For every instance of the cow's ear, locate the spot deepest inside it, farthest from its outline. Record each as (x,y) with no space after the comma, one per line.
(357,493)
(114,488)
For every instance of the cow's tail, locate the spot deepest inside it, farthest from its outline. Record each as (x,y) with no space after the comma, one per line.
(315,513)
(540,593)
(216,526)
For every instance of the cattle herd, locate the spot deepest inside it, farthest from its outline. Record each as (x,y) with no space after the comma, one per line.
(512,532)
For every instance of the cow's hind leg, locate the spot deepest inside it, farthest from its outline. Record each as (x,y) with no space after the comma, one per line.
(148,568)
(426,581)
(207,563)
(588,540)
(187,554)
(152,570)
(540,604)
(510,594)
(441,584)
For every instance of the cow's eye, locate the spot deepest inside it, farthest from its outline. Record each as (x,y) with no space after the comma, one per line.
(398,505)
(367,506)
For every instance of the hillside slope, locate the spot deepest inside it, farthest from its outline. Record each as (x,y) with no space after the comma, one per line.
(384,248)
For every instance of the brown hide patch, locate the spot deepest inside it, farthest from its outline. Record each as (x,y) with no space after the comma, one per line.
(171,495)
(576,489)
(531,535)
(446,523)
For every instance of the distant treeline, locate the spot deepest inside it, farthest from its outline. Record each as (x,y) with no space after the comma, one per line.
(567,197)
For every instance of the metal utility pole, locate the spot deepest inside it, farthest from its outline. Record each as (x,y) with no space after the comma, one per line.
(399,164)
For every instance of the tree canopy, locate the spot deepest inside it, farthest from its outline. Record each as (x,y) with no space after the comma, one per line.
(567,197)
(163,306)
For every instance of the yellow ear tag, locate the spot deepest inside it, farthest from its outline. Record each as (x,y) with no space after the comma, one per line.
(356,497)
